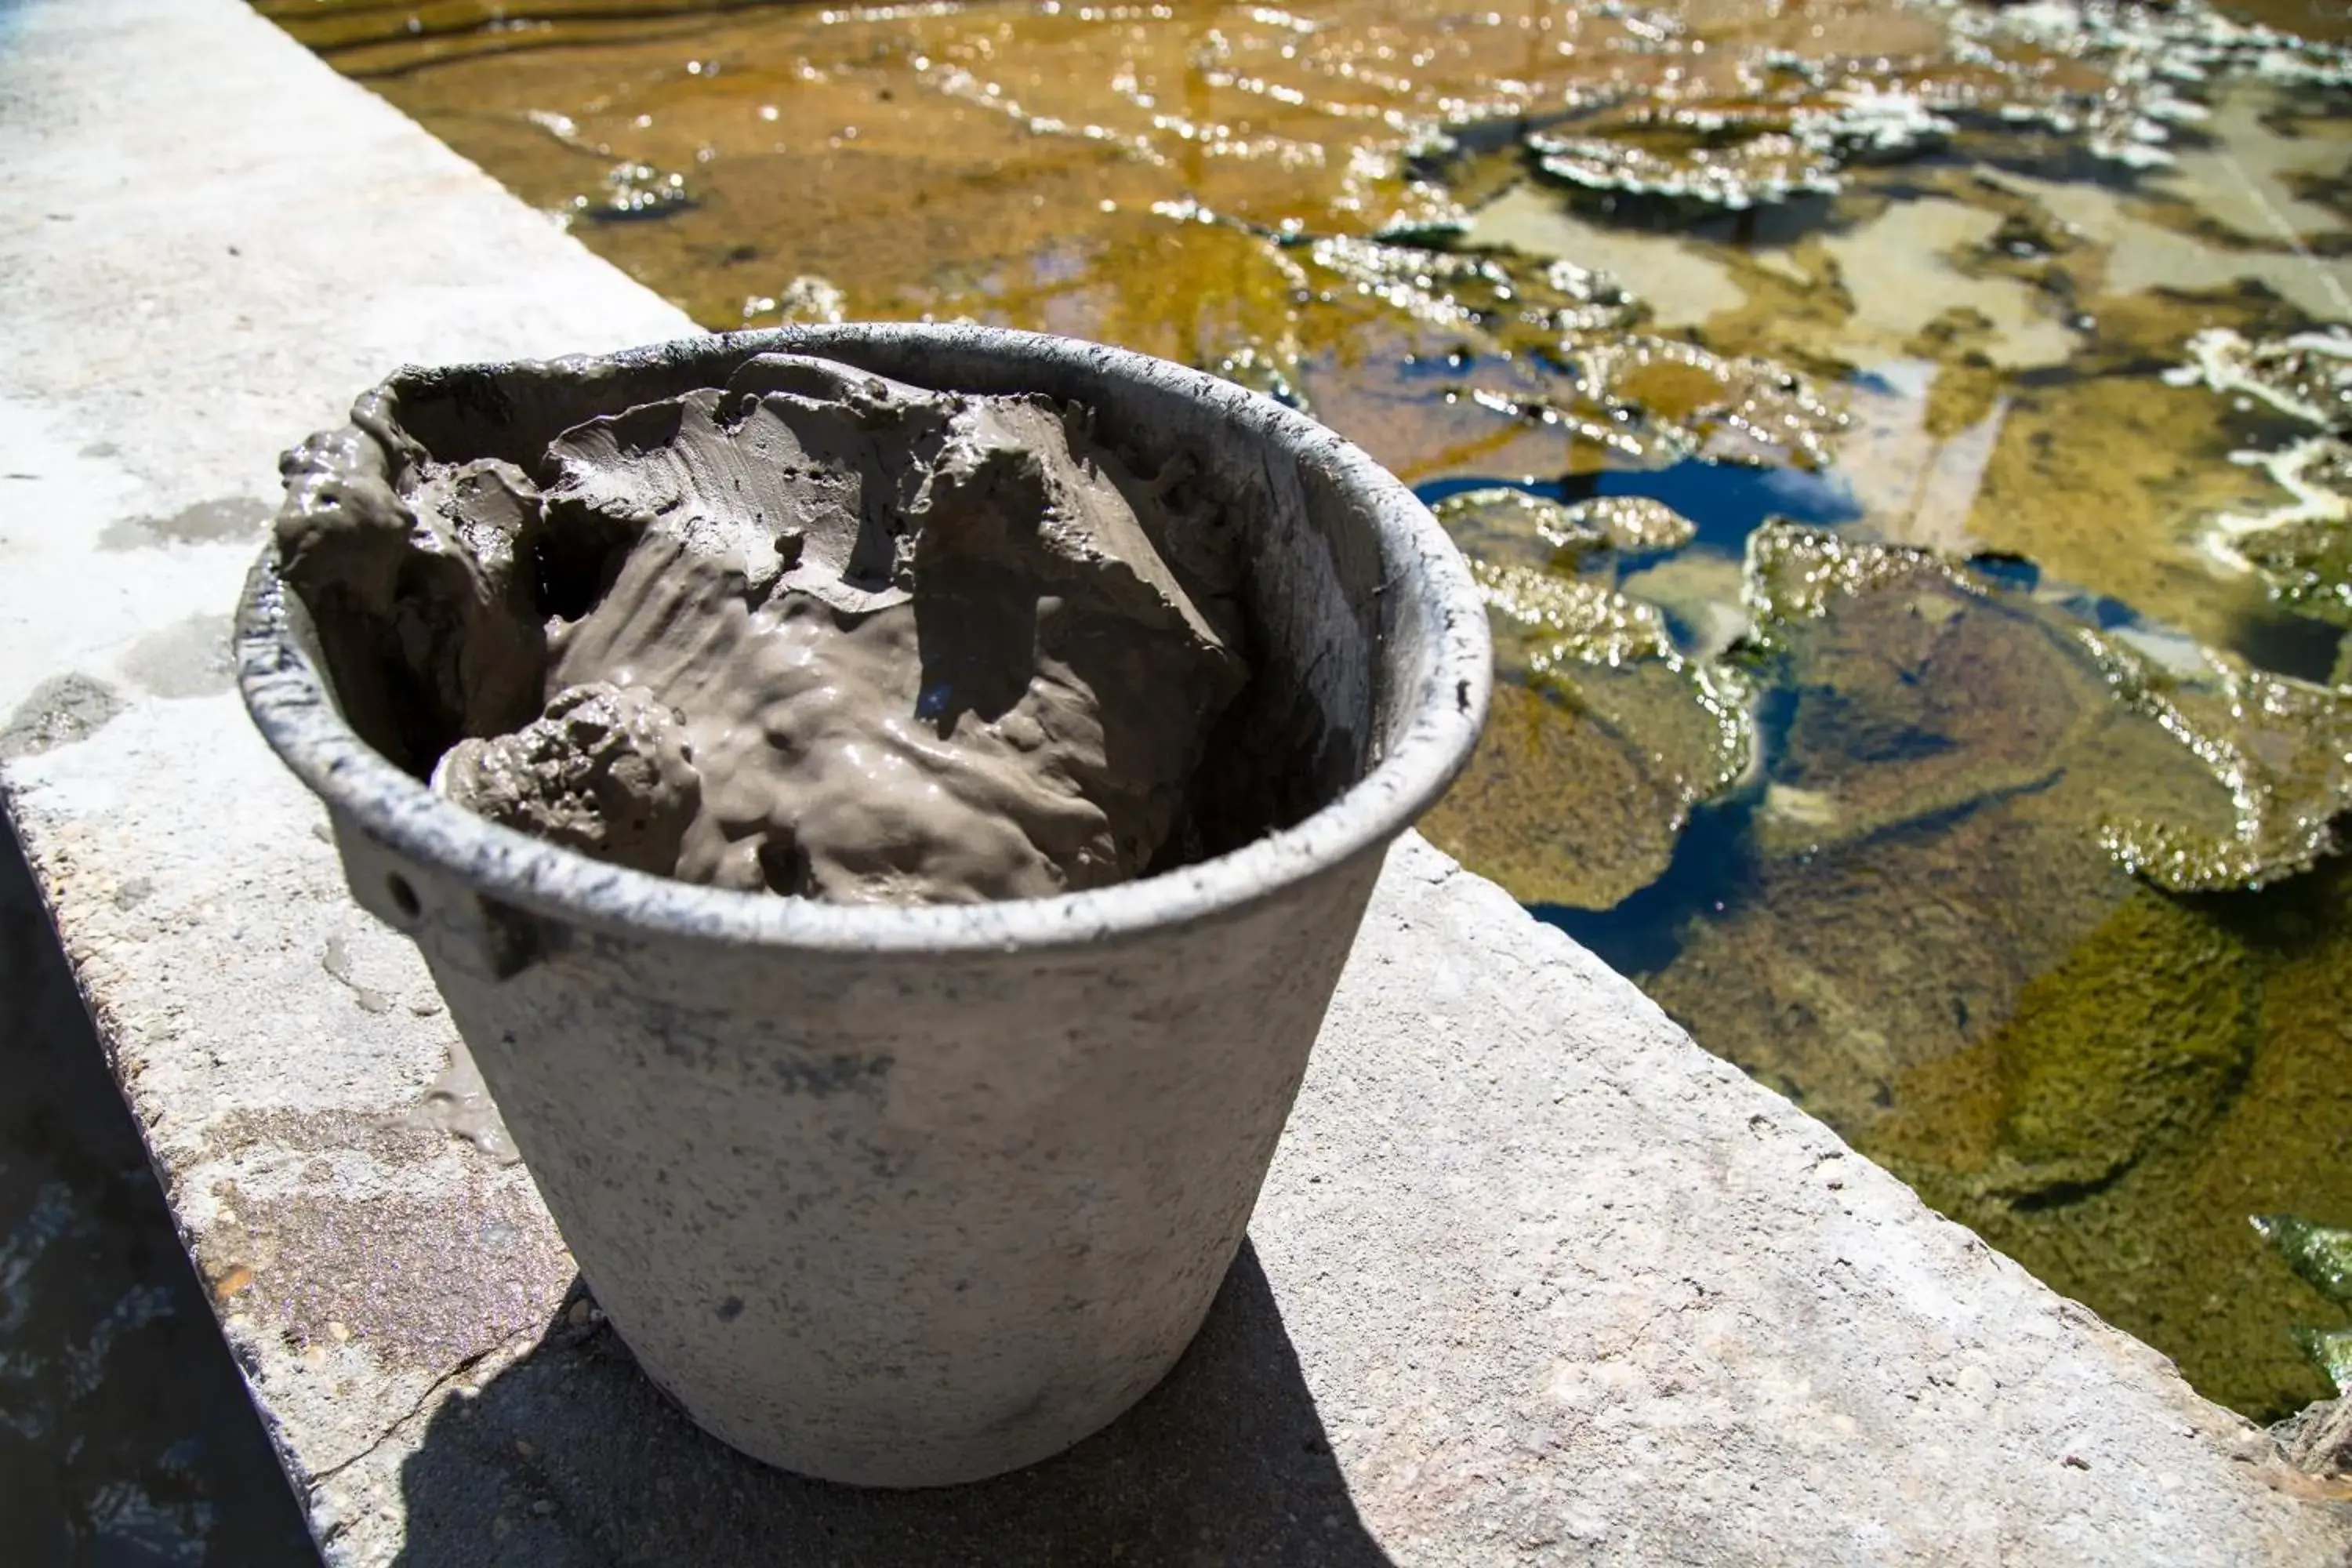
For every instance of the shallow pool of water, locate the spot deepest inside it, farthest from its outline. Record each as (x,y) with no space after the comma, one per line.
(1967,768)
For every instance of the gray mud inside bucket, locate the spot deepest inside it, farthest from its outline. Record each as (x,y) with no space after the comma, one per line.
(911,1196)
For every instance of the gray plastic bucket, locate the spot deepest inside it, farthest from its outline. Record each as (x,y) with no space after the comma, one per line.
(906,1196)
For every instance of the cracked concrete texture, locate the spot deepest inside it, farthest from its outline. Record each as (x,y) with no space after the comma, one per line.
(1533,1275)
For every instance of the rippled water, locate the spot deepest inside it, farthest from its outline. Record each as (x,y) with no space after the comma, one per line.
(1959,750)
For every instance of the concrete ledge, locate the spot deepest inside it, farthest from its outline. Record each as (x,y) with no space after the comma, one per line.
(1533,1276)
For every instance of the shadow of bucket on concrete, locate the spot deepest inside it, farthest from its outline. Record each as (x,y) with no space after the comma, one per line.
(572,1457)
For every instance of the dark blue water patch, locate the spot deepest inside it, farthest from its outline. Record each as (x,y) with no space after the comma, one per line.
(1712,871)
(1437,367)
(2286,643)
(1728,501)
(2100,612)
(2017,573)
(1725,502)
(1430,491)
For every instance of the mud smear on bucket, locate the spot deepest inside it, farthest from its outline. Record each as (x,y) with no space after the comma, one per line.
(814,632)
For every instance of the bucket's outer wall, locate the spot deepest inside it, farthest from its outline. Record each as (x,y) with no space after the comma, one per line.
(900,1222)
(908,1209)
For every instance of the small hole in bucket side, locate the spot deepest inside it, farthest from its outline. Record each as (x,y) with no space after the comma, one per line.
(404,897)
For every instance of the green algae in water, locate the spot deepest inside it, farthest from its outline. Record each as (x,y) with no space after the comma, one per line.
(2281,747)
(2331,1350)
(2179,1071)
(2320,1254)
(1601,739)
(1794,573)
(1505,526)
(2134,1043)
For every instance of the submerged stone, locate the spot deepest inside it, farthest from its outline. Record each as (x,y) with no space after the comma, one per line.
(1769,167)
(1632,523)
(1940,753)
(1450,288)
(1601,739)
(1505,526)
(1921,690)
(1581,784)
(2135,1041)
(1872,124)
(1739,155)
(2146,1093)
(2281,747)
(1794,573)
(1501,525)
(1698,402)
(1545,623)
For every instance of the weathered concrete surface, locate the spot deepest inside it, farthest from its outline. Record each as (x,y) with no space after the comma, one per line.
(208,244)
(1533,1275)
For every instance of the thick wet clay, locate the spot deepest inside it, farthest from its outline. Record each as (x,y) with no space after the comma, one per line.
(815,632)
